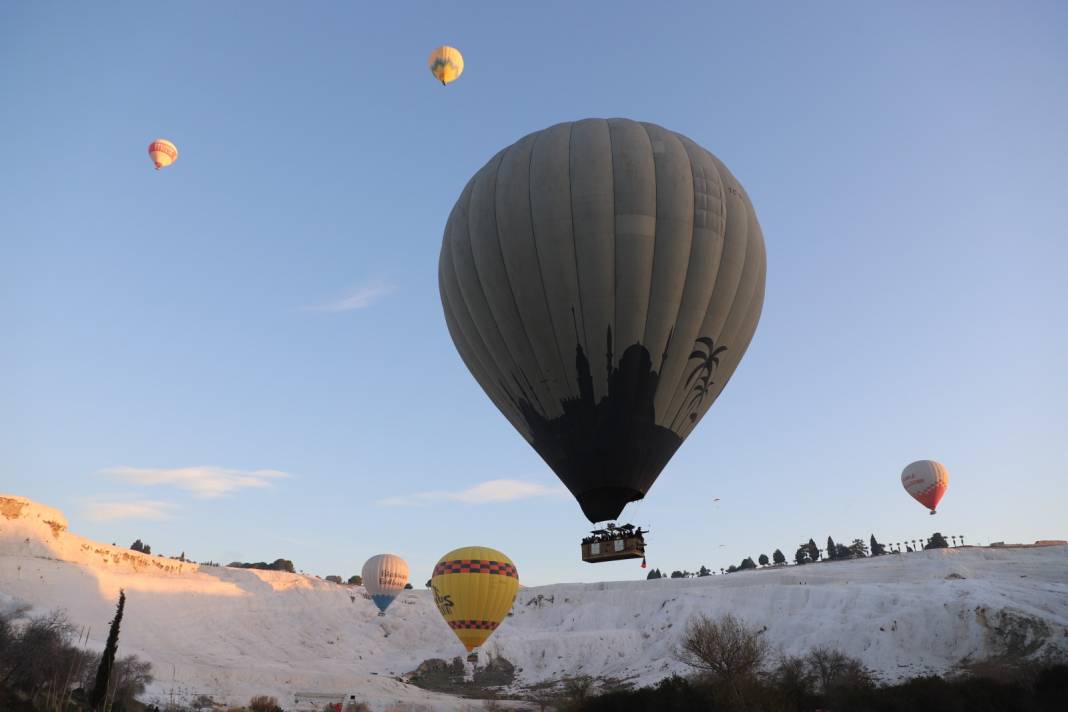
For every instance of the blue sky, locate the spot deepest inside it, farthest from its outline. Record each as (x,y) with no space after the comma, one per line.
(244,356)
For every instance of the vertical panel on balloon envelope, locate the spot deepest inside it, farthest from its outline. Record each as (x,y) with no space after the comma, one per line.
(633,177)
(550,208)
(495,282)
(594,220)
(515,229)
(705,253)
(674,237)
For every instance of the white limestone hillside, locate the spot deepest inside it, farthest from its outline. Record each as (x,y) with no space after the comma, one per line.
(233,633)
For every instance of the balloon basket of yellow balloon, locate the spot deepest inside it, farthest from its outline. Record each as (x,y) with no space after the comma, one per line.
(472,657)
(614,544)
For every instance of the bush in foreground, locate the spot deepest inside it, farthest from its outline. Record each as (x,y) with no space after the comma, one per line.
(42,665)
(734,675)
(1045,692)
(263,703)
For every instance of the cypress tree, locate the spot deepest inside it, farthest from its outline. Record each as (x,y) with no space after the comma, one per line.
(107,659)
(832,550)
(813,550)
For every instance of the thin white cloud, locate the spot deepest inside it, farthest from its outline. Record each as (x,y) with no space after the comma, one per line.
(204,481)
(359,298)
(102,511)
(482,493)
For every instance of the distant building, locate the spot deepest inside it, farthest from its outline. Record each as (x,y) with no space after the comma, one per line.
(1040,542)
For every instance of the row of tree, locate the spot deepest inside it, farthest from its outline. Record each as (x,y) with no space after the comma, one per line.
(353,580)
(810,553)
(276,565)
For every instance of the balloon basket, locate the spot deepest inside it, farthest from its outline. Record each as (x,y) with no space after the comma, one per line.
(614,544)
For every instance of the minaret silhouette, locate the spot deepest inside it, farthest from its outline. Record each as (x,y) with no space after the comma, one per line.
(667,345)
(608,342)
(582,365)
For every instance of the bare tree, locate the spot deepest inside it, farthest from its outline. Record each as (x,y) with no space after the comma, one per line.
(129,679)
(795,680)
(577,691)
(38,654)
(833,669)
(727,650)
(263,703)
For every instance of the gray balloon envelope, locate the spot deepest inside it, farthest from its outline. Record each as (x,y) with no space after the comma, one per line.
(602,279)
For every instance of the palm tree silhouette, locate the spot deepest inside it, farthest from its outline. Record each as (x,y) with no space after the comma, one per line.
(961,539)
(707,363)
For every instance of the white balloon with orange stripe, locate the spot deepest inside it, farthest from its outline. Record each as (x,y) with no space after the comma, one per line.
(927,481)
(474,588)
(162,152)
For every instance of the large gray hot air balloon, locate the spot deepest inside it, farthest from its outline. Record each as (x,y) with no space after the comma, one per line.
(601,279)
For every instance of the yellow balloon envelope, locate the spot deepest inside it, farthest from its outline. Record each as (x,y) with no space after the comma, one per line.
(474,588)
(162,152)
(446,63)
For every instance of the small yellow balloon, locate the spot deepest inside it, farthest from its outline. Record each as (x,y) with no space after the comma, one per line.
(162,152)
(474,588)
(446,64)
